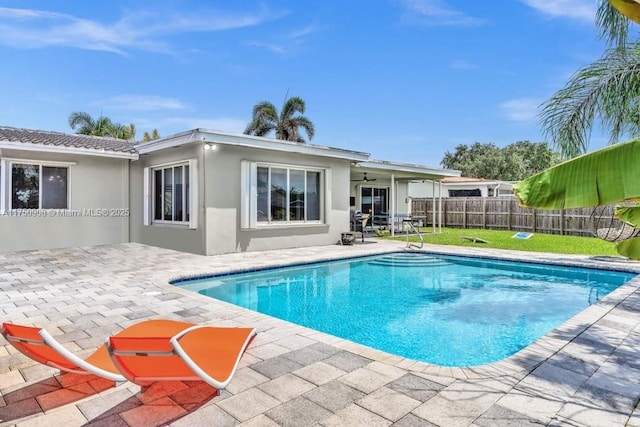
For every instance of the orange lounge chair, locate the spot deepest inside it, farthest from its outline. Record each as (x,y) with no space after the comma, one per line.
(205,353)
(39,345)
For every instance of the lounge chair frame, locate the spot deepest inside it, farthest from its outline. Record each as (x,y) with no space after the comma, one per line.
(48,340)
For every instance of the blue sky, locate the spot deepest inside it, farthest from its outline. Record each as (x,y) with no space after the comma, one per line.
(404,80)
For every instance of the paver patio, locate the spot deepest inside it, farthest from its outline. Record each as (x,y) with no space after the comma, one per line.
(585,373)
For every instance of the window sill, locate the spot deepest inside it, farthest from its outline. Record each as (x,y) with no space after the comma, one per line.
(285,226)
(171,225)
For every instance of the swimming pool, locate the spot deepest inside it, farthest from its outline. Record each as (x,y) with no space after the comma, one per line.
(442,309)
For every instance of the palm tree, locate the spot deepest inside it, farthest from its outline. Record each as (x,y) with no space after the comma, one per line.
(102,126)
(146,137)
(286,125)
(607,90)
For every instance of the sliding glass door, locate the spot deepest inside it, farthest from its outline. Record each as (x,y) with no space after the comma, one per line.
(374,201)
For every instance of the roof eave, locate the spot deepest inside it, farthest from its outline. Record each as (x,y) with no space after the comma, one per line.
(249,141)
(411,168)
(29,146)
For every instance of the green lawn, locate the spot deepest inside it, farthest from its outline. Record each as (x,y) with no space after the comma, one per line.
(498,239)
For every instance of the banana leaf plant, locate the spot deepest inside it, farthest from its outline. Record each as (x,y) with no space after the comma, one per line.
(605,176)
(629,8)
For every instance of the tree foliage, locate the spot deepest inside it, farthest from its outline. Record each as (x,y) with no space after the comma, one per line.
(511,163)
(286,125)
(84,124)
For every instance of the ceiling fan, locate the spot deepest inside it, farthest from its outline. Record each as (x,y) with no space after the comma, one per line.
(364,178)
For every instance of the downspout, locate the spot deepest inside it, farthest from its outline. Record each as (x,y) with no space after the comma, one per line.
(495,190)
(440,206)
(433,204)
(392,216)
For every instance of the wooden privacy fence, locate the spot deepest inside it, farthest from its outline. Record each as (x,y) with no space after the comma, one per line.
(504,213)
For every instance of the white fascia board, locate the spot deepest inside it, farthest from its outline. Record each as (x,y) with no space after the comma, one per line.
(405,167)
(249,141)
(66,150)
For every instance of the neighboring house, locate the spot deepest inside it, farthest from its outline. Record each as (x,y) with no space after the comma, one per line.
(461,187)
(199,191)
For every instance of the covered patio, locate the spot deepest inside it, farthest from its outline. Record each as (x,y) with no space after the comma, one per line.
(380,190)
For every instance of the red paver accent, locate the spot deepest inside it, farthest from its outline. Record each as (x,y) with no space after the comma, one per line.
(66,395)
(112,421)
(101,384)
(195,396)
(68,379)
(22,408)
(33,390)
(160,412)
(160,389)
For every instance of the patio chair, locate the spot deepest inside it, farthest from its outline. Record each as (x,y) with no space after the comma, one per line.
(37,344)
(206,353)
(359,223)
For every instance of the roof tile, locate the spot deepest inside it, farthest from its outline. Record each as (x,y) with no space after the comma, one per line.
(41,137)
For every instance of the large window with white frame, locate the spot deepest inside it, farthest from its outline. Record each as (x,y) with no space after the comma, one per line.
(171,194)
(35,185)
(282,195)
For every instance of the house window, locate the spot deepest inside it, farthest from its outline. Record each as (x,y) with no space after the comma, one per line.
(171,194)
(287,195)
(38,186)
(282,195)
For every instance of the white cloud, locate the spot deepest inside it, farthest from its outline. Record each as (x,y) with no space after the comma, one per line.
(286,43)
(225,124)
(576,9)
(271,47)
(461,64)
(521,109)
(28,28)
(437,12)
(142,103)
(303,32)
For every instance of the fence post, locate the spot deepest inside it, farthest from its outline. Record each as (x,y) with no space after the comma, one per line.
(562,222)
(509,215)
(484,212)
(444,213)
(464,213)
(534,221)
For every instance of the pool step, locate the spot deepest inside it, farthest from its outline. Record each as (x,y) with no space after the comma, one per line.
(407,260)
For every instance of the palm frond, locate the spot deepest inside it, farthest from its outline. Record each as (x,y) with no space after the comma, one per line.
(81,120)
(307,125)
(613,26)
(291,106)
(606,90)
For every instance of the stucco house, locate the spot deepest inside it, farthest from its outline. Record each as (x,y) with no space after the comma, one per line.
(459,186)
(199,191)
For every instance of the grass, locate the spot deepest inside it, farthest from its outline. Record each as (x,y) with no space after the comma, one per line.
(498,239)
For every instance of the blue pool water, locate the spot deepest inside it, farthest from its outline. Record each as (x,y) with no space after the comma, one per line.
(446,310)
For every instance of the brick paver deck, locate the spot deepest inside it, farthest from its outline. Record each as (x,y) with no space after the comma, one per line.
(585,373)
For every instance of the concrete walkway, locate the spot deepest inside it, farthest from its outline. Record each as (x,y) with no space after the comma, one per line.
(585,373)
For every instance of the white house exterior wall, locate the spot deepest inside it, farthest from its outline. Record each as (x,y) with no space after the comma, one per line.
(98,194)
(177,237)
(222,189)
